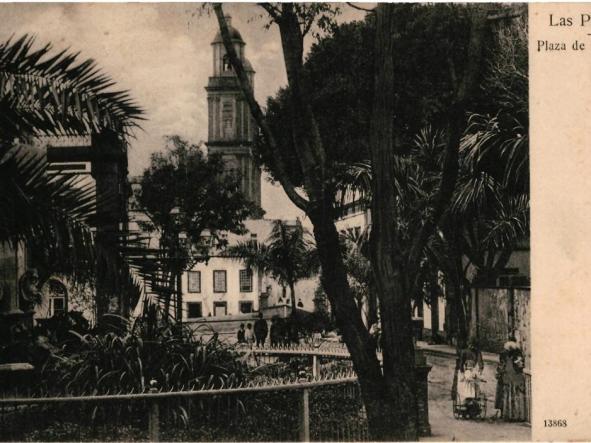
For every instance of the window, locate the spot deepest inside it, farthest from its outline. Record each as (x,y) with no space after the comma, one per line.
(194,281)
(245,307)
(194,310)
(226,63)
(245,280)
(219,281)
(220,308)
(57,305)
(57,297)
(227,119)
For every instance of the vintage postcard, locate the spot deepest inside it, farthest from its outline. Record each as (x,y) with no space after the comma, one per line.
(294,221)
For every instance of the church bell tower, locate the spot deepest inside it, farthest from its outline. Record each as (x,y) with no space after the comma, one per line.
(231,127)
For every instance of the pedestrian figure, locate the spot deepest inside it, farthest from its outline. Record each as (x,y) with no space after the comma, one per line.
(274,332)
(260,330)
(510,394)
(249,335)
(240,334)
(467,355)
(281,331)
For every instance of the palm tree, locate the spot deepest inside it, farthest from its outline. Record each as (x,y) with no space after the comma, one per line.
(288,255)
(44,93)
(489,212)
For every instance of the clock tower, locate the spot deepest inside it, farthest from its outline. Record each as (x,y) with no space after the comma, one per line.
(231,127)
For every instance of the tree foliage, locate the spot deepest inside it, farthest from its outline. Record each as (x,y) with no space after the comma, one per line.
(207,199)
(186,193)
(288,255)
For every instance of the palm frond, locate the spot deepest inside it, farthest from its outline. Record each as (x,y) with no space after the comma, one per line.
(510,225)
(48,93)
(49,214)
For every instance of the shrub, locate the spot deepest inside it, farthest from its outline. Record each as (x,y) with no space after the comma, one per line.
(108,362)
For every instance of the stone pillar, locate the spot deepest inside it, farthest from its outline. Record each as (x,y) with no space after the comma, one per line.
(109,169)
(421,377)
(15,324)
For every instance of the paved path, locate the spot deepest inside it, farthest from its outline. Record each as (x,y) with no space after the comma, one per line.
(444,426)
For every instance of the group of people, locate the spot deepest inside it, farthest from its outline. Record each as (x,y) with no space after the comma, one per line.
(250,335)
(510,396)
(281,332)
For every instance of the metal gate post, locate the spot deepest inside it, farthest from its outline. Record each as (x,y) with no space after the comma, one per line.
(154,421)
(154,415)
(305,416)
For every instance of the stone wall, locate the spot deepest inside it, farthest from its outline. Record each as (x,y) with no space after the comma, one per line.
(499,312)
(492,317)
(521,308)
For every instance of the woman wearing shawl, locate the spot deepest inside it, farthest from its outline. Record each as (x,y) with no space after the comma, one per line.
(510,393)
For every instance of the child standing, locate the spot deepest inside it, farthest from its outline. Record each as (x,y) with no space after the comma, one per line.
(249,334)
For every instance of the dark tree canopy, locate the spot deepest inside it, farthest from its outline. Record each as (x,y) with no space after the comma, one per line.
(430,48)
(339,71)
(186,191)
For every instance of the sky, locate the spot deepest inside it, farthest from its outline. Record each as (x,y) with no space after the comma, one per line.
(161,53)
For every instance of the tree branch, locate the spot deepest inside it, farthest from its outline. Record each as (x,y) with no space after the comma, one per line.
(503,16)
(256,111)
(271,10)
(359,8)
(479,26)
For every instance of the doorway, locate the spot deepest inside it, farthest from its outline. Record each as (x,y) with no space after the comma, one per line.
(220,308)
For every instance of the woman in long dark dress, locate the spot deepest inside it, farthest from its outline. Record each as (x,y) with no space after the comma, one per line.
(510,393)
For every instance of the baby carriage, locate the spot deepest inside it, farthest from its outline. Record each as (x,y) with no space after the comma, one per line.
(469,401)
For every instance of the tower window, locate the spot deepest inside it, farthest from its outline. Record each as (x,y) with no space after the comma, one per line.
(228,118)
(226,66)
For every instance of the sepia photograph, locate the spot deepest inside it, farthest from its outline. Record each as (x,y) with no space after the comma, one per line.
(265,222)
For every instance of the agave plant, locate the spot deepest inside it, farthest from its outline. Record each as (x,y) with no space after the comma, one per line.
(126,361)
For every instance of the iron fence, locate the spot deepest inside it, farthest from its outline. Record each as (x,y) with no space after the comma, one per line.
(280,411)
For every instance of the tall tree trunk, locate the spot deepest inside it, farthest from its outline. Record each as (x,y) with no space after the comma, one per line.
(293,298)
(179,296)
(394,296)
(378,399)
(372,306)
(434,298)
(168,299)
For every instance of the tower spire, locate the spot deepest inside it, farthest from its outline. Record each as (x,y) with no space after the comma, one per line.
(231,127)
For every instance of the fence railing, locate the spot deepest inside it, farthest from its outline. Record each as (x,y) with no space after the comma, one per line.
(242,412)
(300,406)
